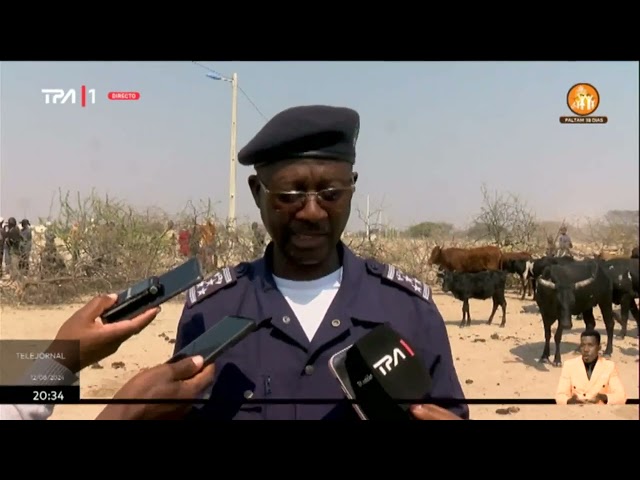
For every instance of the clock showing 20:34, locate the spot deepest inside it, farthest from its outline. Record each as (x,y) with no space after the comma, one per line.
(48,395)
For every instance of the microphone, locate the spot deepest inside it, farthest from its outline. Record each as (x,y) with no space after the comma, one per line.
(383,368)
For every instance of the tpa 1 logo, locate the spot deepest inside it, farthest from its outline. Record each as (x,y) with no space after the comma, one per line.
(583,99)
(59,96)
(389,361)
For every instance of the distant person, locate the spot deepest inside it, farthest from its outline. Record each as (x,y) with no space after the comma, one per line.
(590,378)
(551,247)
(13,241)
(25,246)
(184,238)
(564,243)
(74,240)
(208,245)
(195,238)
(51,262)
(170,239)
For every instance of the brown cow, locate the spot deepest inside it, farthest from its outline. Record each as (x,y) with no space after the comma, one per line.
(635,253)
(516,263)
(469,260)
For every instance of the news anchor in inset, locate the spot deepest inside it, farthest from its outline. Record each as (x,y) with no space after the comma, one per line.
(590,378)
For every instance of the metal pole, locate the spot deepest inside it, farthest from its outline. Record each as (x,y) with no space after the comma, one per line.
(233,153)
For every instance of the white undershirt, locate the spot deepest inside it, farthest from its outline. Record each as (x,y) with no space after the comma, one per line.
(310,300)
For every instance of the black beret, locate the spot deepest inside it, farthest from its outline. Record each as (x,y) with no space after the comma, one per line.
(312,131)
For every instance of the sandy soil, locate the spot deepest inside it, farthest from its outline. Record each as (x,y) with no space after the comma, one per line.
(491,361)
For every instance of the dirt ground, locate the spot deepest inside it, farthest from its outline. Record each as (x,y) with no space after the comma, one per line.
(491,361)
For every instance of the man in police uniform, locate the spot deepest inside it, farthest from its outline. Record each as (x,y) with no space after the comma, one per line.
(310,294)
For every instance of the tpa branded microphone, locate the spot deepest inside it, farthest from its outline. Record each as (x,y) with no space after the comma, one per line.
(381,369)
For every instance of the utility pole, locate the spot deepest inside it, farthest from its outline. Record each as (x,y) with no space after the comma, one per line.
(233,154)
(231,217)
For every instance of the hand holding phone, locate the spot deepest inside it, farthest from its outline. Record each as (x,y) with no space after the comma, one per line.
(183,380)
(218,339)
(154,291)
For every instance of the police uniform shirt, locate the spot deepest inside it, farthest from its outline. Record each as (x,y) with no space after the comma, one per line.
(278,361)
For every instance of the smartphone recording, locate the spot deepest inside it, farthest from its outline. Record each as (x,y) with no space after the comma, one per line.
(154,291)
(218,339)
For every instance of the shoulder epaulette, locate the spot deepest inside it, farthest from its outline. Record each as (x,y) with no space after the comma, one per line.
(398,278)
(214,283)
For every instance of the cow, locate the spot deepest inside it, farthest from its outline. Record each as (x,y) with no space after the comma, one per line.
(624,274)
(516,263)
(478,285)
(469,260)
(535,268)
(635,253)
(571,289)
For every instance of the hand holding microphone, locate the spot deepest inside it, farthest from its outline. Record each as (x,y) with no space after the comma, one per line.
(381,369)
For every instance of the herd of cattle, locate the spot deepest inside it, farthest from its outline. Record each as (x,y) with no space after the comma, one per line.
(562,287)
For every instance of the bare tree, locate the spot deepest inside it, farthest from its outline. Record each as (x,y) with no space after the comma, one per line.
(616,230)
(371,220)
(506,220)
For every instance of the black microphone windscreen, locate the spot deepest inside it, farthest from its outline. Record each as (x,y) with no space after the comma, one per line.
(383,368)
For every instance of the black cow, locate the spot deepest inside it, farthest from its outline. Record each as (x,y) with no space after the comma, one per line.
(518,266)
(624,274)
(481,286)
(573,289)
(535,268)
(635,253)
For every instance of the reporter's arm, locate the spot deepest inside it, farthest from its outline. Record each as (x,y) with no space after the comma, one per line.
(97,341)
(182,380)
(26,412)
(44,368)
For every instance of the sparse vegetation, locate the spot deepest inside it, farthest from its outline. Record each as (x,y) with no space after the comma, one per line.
(104,245)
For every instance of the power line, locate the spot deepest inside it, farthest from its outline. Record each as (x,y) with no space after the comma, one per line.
(246,95)
(253,104)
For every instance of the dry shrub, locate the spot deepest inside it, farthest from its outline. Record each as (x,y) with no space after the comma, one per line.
(104,245)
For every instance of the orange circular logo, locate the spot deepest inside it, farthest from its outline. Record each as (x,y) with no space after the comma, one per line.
(583,99)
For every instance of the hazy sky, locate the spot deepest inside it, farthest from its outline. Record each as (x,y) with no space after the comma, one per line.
(431,133)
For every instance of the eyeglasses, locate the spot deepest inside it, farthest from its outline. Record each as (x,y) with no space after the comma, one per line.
(296,199)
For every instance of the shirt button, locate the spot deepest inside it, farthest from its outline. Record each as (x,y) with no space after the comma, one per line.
(285,319)
(335,323)
(309,369)
(248,394)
